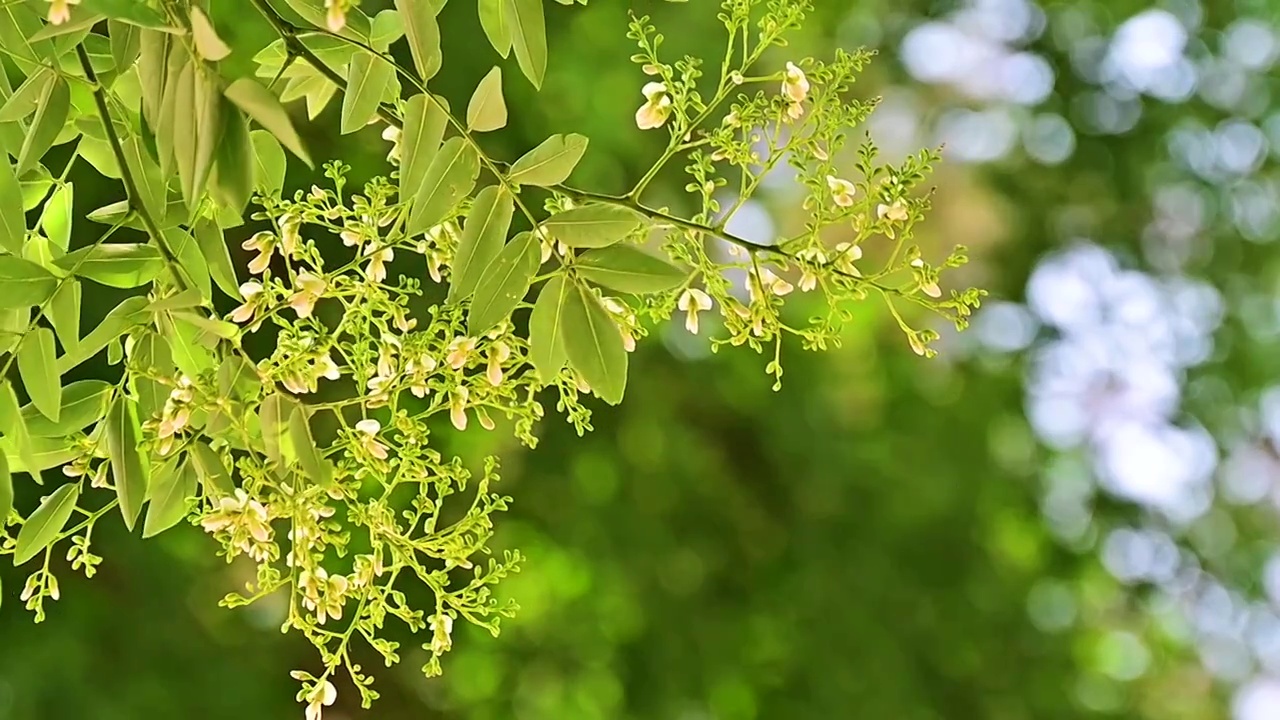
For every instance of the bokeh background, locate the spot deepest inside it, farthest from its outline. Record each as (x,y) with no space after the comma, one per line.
(1071,513)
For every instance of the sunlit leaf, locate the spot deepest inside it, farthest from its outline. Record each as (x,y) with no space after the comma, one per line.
(628,269)
(449,178)
(592,226)
(6,490)
(170,488)
(487,109)
(357,24)
(493,19)
(195,271)
(551,162)
(44,525)
(16,435)
(269,162)
(38,367)
(19,21)
(231,180)
(126,43)
(504,284)
(212,472)
(423,33)
(482,238)
(129,11)
(274,415)
(56,218)
(528,37)
(50,118)
(13,227)
(258,103)
(191,345)
(424,123)
(387,27)
(367,80)
(24,283)
(24,101)
(217,256)
(82,403)
(546,328)
(128,314)
(593,344)
(153,71)
(128,471)
(121,265)
(63,312)
(314,466)
(208,44)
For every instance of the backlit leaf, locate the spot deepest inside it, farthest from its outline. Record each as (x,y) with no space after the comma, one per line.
(24,283)
(551,162)
(493,19)
(24,101)
(592,226)
(6,490)
(17,437)
(170,488)
(38,367)
(208,44)
(128,471)
(269,162)
(504,284)
(448,180)
(528,37)
(273,416)
(388,27)
(258,103)
(487,109)
(593,344)
(367,80)
(63,312)
(56,218)
(82,403)
(44,525)
(126,43)
(231,180)
(121,265)
(423,33)
(13,227)
(546,328)
(314,466)
(50,118)
(128,314)
(424,123)
(483,235)
(217,256)
(211,470)
(628,269)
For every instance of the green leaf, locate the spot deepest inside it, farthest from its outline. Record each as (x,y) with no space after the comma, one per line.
(388,27)
(130,11)
(179,92)
(546,328)
(424,123)
(482,238)
(528,37)
(208,44)
(628,269)
(357,26)
(449,178)
(190,260)
(6,490)
(196,131)
(170,489)
(269,162)
(592,226)
(593,344)
(273,416)
(17,437)
(190,345)
(367,78)
(213,246)
(505,283)
(493,19)
(19,21)
(551,162)
(423,33)
(120,265)
(27,97)
(258,103)
(153,71)
(44,525)
(56,218)
(212,472)
(128,471)
(487,109)
(232,178)
(151,182)
(82,403)
(37,365)
(63,312)
(13,322)
(50,118)
(314,466)
(24,283)
(128,314)
(219,328)
(13,225)
(126,43)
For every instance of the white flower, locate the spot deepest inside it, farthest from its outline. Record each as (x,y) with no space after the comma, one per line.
(244,313)
(377,270)
(458,408)
(265,244)
(289,237)
(808,278)
(442,629)
(928,287)
(692,301)
(794,84)
(336,19)
(842,191)
(368,430)
(327,368)
(846,255)
(60,11)
(322,697)
(310,288)
(392,135)
(896,212)
(351,238)
(434,262)
(497,355)
(795,111)
(459,351)
(770,283)
(657,106)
